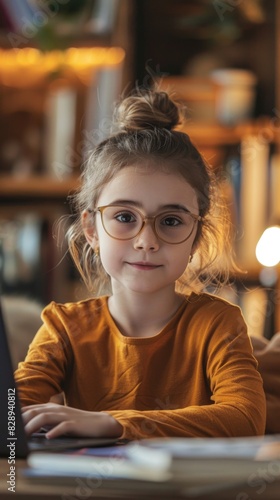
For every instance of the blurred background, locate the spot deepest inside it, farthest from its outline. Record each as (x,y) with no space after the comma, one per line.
(63,64)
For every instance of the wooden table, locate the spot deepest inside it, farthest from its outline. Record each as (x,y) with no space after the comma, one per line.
(264,486)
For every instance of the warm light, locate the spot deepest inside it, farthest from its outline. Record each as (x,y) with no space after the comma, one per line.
(268,247)
(27,66)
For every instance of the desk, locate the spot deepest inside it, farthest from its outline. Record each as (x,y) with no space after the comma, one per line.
(267,488)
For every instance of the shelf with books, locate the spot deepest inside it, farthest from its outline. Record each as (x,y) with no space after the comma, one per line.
(246,160)
(54,106)
(37,187)
(58,86)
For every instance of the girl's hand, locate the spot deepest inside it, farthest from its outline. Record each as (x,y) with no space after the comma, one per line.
(65,420)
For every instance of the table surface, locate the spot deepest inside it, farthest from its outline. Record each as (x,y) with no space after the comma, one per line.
(264,486)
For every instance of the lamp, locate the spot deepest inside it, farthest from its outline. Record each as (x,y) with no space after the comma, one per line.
(268,247)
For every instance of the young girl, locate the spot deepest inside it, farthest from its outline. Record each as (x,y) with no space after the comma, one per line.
(148,356)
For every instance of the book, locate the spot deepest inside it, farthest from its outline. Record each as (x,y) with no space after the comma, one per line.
(274,188)
(102,95)
(253,197)
(107,463)
(103,17)
(60,120)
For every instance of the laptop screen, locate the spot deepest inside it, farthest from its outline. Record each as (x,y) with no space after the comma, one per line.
(13,441)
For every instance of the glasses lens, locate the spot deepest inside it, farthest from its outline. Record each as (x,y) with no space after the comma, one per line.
(174,227)
(121,222)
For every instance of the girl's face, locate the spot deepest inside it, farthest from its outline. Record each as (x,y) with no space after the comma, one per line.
(145,263)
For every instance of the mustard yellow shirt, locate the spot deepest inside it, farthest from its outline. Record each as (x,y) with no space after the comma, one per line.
(197,377)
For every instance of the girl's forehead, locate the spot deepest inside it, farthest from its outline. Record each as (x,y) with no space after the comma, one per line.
(149,187)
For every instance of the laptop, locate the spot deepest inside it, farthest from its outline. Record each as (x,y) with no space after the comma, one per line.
(13,440)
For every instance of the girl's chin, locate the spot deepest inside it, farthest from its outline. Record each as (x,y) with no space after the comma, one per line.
(147,287)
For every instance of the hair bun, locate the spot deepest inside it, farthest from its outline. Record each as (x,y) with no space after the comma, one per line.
(147,110)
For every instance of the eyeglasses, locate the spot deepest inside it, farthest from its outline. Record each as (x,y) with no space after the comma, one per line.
(125,223)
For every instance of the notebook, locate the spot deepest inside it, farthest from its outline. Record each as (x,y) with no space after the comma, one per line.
(13,440)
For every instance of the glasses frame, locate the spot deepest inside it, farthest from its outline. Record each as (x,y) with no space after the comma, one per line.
(145,220)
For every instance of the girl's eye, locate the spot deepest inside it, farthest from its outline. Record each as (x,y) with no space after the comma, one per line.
(125,217)
(171,221)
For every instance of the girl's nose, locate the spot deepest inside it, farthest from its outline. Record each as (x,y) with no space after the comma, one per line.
(146,239)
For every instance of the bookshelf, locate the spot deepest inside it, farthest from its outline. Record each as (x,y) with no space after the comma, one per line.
(53,109)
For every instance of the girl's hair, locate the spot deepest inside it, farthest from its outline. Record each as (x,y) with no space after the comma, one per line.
(147,138)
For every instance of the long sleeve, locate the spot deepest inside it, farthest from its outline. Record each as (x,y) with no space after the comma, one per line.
(237,406)
(197,377)
(48,364)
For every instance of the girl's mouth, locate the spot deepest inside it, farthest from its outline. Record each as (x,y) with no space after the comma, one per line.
(143,266)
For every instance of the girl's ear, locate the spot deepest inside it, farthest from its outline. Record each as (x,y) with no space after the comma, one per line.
(89,228)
